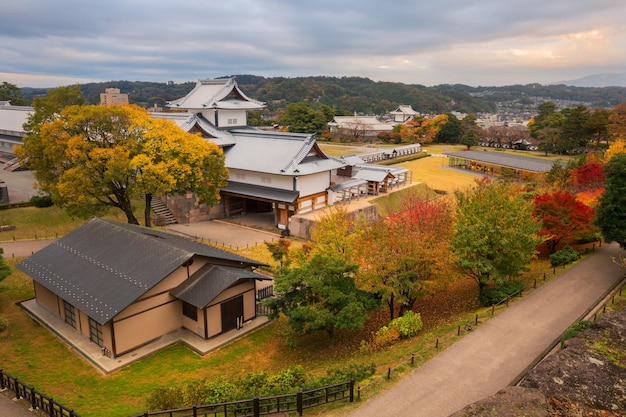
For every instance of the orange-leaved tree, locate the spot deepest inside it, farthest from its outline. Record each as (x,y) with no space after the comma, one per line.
(404,255)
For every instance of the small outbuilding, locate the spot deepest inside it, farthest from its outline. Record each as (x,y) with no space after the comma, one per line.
(122,286)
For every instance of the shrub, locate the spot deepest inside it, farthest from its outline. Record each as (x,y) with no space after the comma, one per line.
(399,328)
(41,201)
(564,256)
(355,371)
(574,330)
(165,398)
(408,325)
(4,323)
(495,295)
(216,392)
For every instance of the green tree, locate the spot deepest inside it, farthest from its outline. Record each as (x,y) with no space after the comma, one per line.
(611,210)
(302,118)
(12,93)
(49,107)
(450,132)
(573,129)
(597,126)
(321,295)
(469,138)
(5,271)
(496,235)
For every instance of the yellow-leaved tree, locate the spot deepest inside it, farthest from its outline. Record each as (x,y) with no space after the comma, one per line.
(92,158)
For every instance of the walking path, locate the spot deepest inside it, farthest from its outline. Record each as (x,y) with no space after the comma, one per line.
(498,353)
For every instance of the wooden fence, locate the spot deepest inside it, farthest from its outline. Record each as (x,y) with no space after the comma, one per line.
(37,400)
(257,407)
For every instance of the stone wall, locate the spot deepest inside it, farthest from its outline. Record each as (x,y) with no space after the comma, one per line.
(300,225)
(187,208)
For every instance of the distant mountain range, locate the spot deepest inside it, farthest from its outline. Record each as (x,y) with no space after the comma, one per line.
(598,80)
(356,94)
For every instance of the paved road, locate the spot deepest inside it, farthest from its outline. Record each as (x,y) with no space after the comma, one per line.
(498,352)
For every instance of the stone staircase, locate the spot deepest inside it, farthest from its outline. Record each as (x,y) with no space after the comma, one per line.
(163,215)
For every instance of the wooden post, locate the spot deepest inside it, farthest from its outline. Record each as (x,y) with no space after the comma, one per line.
(476,320)
(412,359)
(299,404)
(256,406)
(352,390)
(388,373)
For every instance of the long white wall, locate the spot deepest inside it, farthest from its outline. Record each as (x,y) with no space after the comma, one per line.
(282,182)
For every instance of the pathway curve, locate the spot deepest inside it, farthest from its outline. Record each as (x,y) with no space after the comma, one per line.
(497,353)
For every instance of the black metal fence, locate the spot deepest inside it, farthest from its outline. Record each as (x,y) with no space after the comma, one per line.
(37,400)
(257,407)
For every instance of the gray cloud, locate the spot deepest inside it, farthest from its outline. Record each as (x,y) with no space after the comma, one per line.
(486,42)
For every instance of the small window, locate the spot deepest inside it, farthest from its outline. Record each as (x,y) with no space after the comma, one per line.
(95,332)
(190,311)
(70,314)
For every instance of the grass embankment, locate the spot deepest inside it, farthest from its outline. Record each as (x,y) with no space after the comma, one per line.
(33,354)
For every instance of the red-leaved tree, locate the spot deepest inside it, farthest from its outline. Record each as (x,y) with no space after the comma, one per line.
(404,255)
(563,218)
(587,177)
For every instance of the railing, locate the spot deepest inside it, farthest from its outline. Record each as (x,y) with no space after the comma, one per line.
(37,400)
(257,407)
(265,292)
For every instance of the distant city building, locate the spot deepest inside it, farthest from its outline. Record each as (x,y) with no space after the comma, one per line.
(112,96)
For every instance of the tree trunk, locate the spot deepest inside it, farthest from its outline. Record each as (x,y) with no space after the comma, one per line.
(391,303)
(146,211)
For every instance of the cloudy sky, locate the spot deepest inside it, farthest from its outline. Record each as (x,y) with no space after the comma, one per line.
(47,43)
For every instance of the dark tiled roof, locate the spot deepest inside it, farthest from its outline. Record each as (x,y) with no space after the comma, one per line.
(209,281)
(525,163)
(104,266)
(260,191)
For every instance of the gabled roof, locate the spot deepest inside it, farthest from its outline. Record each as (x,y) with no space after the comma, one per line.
(374,175)
(189,121)
(104,266)
(216,94)
(404,109)
(210,281)
(277,153)
(360,122)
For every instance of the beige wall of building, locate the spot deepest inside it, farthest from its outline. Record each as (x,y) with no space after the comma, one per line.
(112,96)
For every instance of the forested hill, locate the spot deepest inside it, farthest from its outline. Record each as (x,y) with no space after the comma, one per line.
(350,94)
